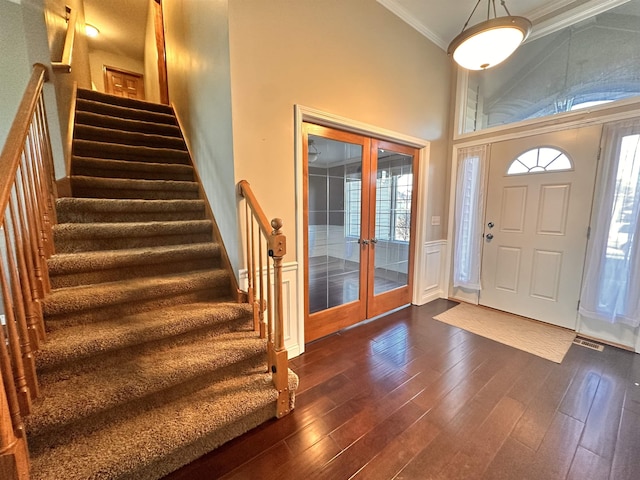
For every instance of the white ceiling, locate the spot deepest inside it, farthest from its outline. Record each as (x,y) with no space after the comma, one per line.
(441,20)
(122,22)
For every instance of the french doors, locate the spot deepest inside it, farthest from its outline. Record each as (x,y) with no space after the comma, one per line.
(359,204)
(539,197)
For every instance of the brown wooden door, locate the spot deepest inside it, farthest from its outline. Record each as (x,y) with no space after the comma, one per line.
(391,234)
(359,207)
(123,84)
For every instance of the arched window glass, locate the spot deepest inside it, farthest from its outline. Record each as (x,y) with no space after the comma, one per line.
(542,159)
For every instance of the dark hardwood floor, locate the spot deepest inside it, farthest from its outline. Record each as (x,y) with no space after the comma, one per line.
(408,397)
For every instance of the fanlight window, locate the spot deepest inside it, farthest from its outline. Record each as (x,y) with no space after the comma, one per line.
(543,159)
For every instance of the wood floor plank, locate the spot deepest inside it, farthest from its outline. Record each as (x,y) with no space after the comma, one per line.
(587,464)
(408,397)
(632,393)
(478,451)
(260,465)
(432,459)
(378,410)
(358,454)
(626,459)
(557,450)
(530,380)
(399,452)
(579,398)
(601,430)
(512,461)
(300,466)
(542,409)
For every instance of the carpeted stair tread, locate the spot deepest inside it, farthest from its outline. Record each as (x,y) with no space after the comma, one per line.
(116,151)
(88,297)
(162,439)
(65,263)
(99,167)
(68,231)
(74,269)
(74,343)
(107,121)
(85,388)
(96,96)
(101,134)
(85,105)
(99,187)
(78,210)
(149,363)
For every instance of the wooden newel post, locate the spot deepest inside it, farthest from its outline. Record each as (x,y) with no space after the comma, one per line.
(278,355)
(14,458)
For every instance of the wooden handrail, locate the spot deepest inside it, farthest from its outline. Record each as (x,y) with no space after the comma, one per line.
(259,274)
(27,197)
(10,156)
(64,65)
(245,191)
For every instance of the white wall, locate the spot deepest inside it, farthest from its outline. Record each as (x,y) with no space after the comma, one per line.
(99,58)
(197,53)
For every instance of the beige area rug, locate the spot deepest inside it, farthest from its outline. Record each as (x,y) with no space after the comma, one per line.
(535,337)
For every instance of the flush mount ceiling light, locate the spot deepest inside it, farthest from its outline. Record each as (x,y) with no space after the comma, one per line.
(488,43)
(91,31)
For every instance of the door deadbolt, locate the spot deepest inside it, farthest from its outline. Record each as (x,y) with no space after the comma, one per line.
(490,224)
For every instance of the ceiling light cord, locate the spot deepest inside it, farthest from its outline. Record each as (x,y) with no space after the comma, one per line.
(495,13)
(466,24)
(504,4)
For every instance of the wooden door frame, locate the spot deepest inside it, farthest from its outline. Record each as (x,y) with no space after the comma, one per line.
(386,301)
(161,50)
(304,114)
(341,316)
(106,68)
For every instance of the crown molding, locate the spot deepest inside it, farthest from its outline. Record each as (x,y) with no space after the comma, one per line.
(546,19)
(566,17)
(394,7)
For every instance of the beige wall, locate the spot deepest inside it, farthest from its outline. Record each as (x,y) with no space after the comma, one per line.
(350,58)
(197,53)
(54,14)
(14,64)
(151,78)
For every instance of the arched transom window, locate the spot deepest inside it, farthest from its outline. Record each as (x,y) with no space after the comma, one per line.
(542,159)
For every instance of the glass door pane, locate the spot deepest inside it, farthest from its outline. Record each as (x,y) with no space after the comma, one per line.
(392,235)
(334,222)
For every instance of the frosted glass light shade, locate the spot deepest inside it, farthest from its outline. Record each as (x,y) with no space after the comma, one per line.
(488,43)
(91,31)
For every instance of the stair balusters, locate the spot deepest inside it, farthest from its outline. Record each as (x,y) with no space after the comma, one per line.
(27,195)
(267,275)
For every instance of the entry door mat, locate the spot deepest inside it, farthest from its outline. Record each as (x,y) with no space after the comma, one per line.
(538,338)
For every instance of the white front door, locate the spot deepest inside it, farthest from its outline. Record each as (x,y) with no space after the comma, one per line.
(536,224)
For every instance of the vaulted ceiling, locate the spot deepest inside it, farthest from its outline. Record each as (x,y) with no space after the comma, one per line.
(122,22)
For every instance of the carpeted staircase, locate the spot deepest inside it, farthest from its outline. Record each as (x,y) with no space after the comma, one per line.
(149,362)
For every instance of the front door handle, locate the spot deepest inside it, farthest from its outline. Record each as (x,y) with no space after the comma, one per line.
(363,242)
(489,236)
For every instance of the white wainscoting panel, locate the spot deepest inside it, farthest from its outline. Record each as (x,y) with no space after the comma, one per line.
(292,324)
(430,272)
